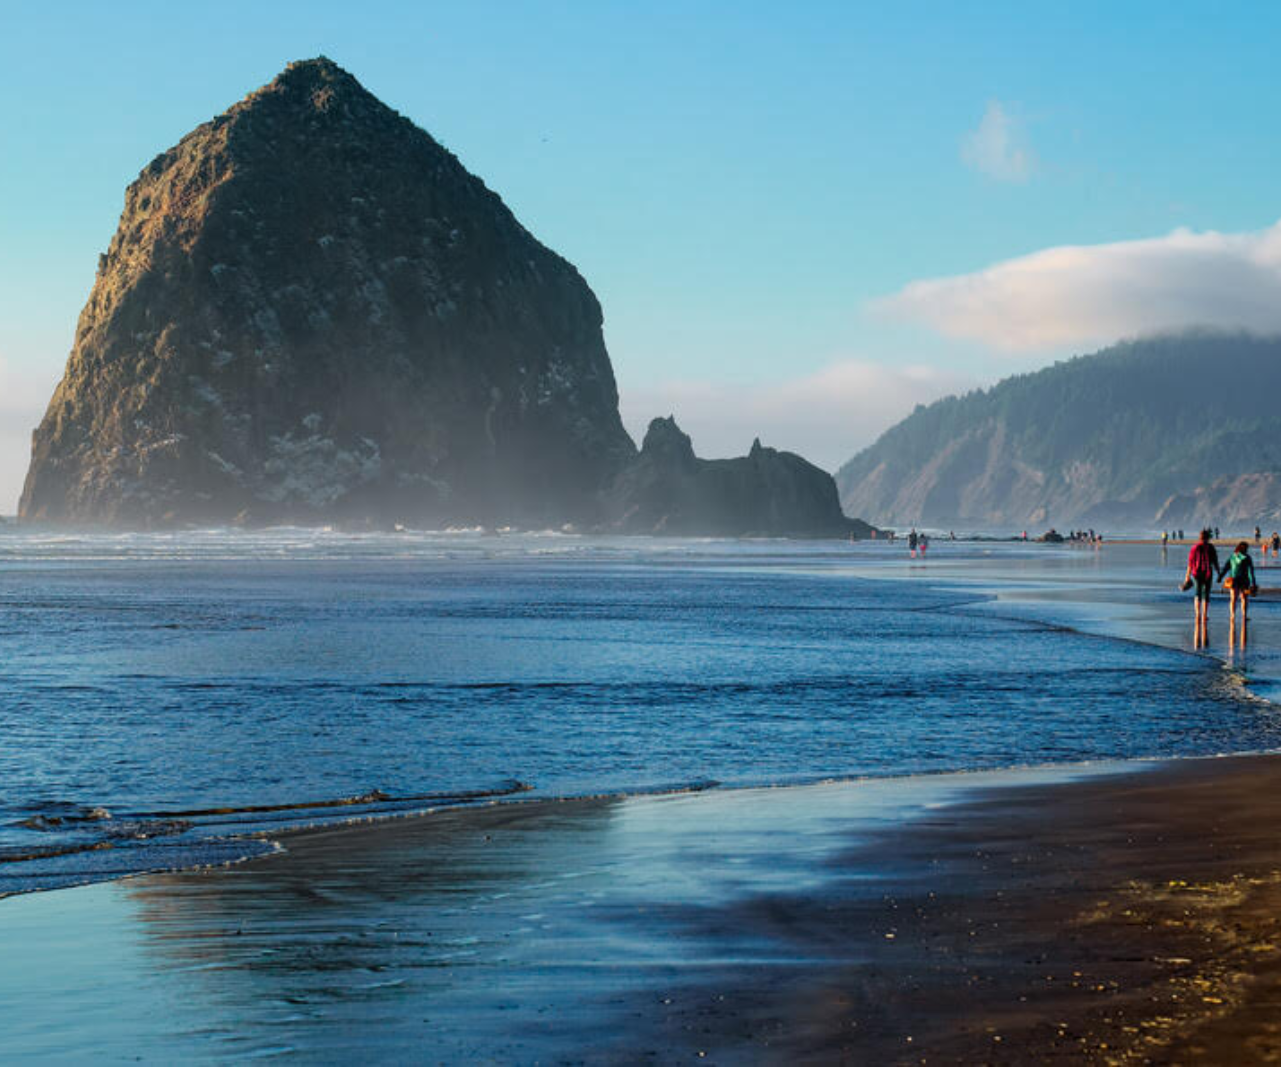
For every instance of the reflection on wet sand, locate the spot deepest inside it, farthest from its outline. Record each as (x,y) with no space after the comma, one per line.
(331,942)
(1239,623)
(1123,592)
(751,925)
(519,932)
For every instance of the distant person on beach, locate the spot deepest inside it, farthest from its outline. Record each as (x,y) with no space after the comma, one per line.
(1241,586)
(1276,544)
(1203,568)
(912,541)
(1165,538)
(1258,535)
(1216,533)
(923,544)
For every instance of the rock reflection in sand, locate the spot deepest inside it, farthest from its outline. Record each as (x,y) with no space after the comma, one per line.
(512,932)
(353,923)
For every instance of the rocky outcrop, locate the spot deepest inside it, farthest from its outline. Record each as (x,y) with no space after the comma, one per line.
(1231,502)
(312,312)
(767,493)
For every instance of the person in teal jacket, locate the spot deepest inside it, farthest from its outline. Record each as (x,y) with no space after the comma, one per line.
(1240,583)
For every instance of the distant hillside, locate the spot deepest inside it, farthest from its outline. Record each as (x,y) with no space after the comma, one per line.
(1175,430)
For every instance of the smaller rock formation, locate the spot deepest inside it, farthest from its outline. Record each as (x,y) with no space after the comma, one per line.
(767,493)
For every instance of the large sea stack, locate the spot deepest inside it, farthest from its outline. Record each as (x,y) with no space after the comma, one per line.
(312,312)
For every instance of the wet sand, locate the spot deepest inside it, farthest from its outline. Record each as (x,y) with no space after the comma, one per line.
(1132,920)
(1132,917)
(523,932)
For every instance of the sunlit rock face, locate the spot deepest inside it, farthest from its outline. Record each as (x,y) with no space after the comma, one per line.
(312,312)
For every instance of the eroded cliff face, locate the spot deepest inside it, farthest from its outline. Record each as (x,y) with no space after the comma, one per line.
(1167,430)
(312,312)
(767,493)
(979,477)
(1233,502)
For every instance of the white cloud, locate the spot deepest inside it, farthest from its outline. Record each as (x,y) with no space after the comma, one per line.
(1095,294)
(826,416)
(998,147)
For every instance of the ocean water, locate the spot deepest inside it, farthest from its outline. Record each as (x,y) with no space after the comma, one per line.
(165,696)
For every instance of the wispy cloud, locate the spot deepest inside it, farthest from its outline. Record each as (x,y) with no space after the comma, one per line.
(826,416)
(998,146)
(1094,294)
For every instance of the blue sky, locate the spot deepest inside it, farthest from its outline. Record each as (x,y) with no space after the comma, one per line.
(800,219)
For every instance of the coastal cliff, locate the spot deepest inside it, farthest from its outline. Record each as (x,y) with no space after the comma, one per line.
(1176,430)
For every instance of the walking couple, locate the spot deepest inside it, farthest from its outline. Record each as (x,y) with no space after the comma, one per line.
(1238,579)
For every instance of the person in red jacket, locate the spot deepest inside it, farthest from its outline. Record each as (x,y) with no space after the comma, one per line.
(1203,569)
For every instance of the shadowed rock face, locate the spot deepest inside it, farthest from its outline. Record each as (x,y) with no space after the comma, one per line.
(766,493)
(312,312)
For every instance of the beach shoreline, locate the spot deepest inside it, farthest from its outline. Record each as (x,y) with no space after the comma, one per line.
(1130,915)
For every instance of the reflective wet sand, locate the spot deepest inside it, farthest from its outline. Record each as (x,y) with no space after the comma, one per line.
(518,932)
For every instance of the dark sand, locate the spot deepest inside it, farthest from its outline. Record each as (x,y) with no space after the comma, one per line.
(1128,920)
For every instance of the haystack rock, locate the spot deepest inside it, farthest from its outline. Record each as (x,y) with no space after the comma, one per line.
(312,312)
